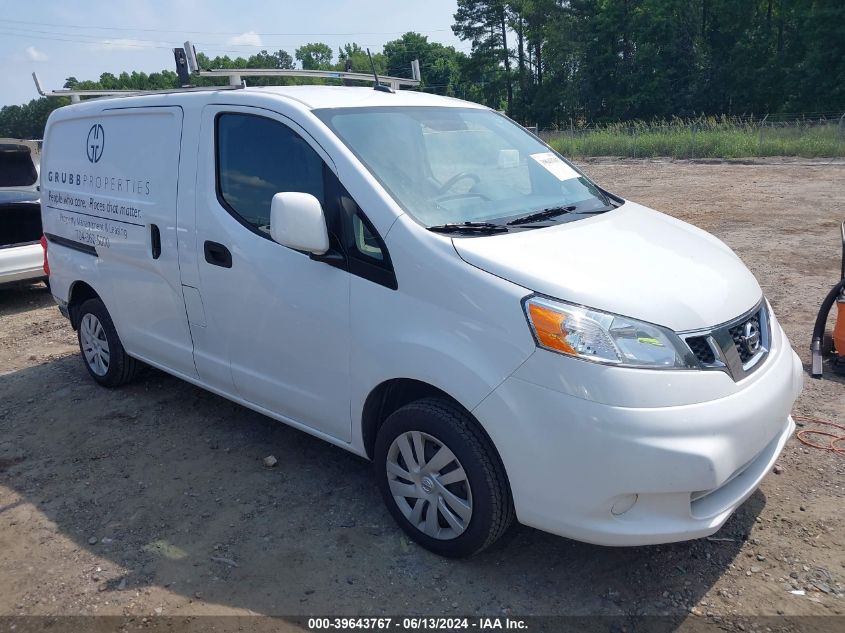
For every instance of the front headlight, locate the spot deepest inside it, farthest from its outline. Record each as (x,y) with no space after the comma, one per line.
(606,338)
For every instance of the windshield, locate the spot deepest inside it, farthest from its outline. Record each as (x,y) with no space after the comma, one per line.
(457,165)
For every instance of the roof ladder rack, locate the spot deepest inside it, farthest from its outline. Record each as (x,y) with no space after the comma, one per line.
(187,56)
(236,75)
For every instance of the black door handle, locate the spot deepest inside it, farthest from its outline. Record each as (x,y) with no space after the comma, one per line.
(155,241)
(217,255)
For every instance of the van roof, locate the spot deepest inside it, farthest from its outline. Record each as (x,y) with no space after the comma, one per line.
(315,97)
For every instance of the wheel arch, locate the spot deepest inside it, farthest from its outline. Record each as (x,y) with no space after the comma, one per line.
(78,294)
(386,398)
(395,393)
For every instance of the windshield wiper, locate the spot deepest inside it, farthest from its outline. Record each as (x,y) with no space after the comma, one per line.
(469,227)
(597,211)
(551,212)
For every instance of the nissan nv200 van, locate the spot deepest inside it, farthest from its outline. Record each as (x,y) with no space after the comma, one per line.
(423,282)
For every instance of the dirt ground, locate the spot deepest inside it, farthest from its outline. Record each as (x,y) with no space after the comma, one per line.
(153,499)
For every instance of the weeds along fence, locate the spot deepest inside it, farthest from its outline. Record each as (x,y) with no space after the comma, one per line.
(809,136)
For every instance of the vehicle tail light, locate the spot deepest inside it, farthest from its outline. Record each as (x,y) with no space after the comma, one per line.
(46,263)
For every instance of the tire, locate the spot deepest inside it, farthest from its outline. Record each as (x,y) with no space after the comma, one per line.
(102,352)
(470,484)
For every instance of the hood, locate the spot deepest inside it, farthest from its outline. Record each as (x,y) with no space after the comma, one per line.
(19,164)
(631,261)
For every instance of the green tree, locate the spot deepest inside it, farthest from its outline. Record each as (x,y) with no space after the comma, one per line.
(353,58)
(315,56)
(280,60)
(439,65)
(28,120)
(485,24)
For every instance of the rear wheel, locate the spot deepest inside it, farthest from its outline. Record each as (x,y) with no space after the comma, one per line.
(441,478)
(103,353)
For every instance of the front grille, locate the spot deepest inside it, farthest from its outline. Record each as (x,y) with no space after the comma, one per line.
(731,347)
(737,333)
(702,350)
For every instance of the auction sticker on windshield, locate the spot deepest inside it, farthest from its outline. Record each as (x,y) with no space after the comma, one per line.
(555,166)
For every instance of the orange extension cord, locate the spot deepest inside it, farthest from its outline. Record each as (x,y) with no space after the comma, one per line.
(831,445)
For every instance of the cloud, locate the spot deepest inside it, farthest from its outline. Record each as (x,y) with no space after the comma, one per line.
(34,55)
(250,38)
(125,44)
(241,178)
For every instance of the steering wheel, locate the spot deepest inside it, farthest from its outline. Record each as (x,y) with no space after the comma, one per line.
(446,186)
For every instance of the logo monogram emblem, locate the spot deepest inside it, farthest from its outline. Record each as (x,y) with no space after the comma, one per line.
(751,337)
(427,485)
(95,143)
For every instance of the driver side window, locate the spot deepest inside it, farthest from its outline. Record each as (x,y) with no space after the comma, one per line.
(258,157)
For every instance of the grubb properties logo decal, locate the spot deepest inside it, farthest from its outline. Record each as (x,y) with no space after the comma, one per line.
(95,143)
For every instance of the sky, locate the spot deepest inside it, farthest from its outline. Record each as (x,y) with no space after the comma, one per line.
(60,39)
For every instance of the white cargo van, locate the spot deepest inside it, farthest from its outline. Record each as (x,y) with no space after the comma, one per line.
(421,281)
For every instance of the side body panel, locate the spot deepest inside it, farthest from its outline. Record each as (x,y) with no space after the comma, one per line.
(109,190)
(276,327)
(452,326)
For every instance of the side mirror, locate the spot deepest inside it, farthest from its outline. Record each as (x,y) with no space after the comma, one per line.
(297,221)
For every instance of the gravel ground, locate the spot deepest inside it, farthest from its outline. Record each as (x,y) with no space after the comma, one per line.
(153,499)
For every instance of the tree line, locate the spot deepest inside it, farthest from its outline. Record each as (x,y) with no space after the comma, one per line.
(610,60)
(560,63)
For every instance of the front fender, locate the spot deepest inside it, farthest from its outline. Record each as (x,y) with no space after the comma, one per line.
(449,324)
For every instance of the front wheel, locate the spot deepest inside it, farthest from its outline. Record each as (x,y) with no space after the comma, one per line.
(441,478)
(103,353)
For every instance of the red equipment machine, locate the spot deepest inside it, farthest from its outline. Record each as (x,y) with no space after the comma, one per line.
(836,295)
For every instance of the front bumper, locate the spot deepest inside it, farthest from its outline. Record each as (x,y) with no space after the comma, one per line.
(577,460)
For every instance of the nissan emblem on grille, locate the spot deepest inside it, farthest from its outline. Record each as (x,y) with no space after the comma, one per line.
(737,347)
(751,337)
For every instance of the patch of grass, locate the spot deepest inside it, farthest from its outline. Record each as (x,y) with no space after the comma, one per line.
(707,137)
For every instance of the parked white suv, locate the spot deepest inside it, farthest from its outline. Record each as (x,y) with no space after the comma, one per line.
(421,281)
(21,252)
